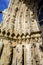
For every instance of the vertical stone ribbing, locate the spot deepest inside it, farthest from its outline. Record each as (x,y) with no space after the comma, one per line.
(19,54)
(6,55)
(28,54)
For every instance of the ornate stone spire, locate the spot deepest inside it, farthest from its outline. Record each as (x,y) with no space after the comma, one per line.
(20,18)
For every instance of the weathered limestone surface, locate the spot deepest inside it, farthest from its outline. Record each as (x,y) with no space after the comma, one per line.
(28,54)
(6,54)
(20,34)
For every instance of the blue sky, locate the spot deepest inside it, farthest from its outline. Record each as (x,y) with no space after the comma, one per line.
(3,6)
(1,17)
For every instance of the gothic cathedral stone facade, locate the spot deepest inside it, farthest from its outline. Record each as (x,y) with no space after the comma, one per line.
(21,36)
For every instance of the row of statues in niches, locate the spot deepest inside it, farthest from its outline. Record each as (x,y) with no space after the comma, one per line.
(27,54)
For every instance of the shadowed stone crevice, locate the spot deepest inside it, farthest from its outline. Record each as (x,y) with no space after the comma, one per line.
(11,56)
(4,32)
(8,33)
(41,47)
(1,50)
(12,35)
(23,55)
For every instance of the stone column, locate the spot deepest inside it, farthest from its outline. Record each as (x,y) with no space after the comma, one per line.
(19,54)
(14,56)
(39,50)
(6,54)
(28,54)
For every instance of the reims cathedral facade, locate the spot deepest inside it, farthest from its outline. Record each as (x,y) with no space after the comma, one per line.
(21,33)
